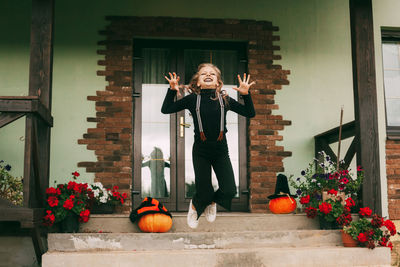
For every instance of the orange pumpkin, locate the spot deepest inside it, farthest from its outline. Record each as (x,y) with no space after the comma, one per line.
(155,223)
(282,205)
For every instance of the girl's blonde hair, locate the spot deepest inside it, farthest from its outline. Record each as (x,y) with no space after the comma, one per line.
(193,88)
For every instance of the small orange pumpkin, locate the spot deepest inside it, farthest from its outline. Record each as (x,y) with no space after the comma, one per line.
(155,223)
(282,205)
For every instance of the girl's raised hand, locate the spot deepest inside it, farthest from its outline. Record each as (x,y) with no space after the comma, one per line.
(244,85)
(173,82)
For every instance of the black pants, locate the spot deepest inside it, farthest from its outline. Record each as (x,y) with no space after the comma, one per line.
(215,154)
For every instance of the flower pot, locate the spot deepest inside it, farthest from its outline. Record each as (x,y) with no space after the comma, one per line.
(325,225)
(106,208)
(70,224)
(348,240)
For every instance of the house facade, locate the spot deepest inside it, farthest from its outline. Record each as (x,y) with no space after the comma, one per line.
(300,53)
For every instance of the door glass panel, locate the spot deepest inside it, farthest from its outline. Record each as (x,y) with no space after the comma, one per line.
(155,143)
(232,126)
(155,125)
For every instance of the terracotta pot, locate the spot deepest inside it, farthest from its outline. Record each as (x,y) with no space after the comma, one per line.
(348,240)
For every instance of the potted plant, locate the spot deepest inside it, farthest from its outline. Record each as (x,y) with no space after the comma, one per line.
(105,199)
(324,191)
(371,230)
(11,188)
(68,205)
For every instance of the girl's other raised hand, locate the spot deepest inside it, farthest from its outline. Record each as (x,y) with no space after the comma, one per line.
(173,82)
(244,85)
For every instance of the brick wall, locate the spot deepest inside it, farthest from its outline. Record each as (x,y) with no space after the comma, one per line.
(393,177)
(111,139)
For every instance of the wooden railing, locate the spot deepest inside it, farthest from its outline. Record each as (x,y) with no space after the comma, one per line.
(36,163)
(323,140)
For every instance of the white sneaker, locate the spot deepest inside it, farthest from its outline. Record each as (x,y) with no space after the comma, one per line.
(192,217)
(211,212)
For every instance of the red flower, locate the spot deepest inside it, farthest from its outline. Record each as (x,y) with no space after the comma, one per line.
(344,180)
(305,200)
(362,237)
(377,221)
(365,212)
(390,245)
(311,212)
(344,219)
(341,187)
(332,192)
(71,197)
(61,186)
(71,185)
(48,219)
(350,202)
(51,191)
(124,196)
(325,207)
(84,216)
(336,175)
(359,169)
(68,204)
(383,241)
(76,174)
(344,172)
(115,187)
(390,226)
(52,201)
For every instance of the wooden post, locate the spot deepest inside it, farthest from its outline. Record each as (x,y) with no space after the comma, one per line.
(40,82)
(365,100)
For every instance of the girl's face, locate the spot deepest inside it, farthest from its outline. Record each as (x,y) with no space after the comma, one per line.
(208,78)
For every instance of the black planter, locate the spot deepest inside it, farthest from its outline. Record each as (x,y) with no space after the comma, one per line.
(325,225)
(107,208)
(70,224)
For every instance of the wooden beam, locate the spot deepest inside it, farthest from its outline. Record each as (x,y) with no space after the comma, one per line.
(7,118)
(365,100)
(27,105)
(332,135)
(41,59)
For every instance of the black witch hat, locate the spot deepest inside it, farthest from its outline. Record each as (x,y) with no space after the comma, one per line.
(281,187)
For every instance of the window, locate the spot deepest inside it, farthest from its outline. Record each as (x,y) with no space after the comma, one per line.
(391,74)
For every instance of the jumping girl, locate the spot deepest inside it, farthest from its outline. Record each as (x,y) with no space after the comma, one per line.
(208,105)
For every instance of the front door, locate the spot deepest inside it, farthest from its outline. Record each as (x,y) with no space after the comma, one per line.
(163,143)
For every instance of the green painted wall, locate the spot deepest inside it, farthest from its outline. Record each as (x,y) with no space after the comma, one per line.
(315,46)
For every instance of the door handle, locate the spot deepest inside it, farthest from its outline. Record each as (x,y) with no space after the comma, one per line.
(182,127)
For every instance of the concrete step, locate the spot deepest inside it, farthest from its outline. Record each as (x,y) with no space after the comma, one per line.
(174,241)
(290,257)
(225,222)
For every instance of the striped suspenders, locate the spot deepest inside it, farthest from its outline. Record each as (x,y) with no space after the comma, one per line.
(221,127)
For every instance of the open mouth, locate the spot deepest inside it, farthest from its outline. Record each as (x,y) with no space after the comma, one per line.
(208,80)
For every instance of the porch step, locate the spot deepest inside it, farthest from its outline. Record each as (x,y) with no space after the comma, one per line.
(234,239)
(225,222)
(173,241)
(305,256)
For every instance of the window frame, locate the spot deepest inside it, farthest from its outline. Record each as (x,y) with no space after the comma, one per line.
(390,36)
